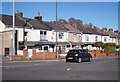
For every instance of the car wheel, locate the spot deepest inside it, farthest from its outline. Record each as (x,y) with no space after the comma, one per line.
(90,59)
(79,60)
(67,60)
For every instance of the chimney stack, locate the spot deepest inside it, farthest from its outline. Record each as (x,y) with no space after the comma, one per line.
(38,17)
(18,14)
(116,31)
(111,30)
(104,29)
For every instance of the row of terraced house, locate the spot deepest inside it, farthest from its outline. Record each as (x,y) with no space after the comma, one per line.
(43,36)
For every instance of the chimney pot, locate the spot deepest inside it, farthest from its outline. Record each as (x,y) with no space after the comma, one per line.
(38,17)
(38,13)
(18,14)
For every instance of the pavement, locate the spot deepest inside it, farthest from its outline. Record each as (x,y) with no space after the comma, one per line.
(45,60)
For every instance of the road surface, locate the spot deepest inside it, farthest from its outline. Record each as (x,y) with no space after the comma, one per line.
(98,69)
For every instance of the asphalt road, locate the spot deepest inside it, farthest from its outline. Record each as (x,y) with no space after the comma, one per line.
(98,69)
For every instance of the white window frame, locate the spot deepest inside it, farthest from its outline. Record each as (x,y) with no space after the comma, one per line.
(45,46)
(86,38)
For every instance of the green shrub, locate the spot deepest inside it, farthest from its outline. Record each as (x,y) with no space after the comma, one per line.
(110,47)
(99,44)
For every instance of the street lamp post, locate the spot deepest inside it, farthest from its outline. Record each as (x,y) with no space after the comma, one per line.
(13,33)
(56,30)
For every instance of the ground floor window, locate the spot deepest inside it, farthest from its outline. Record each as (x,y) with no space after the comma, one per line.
(7,50)
(46,48)
(40,48)
(68,45)
(63,47)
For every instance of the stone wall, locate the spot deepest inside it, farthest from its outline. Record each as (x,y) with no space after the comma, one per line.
(5,41)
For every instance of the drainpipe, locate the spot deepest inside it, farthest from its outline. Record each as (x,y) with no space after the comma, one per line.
(80,40)
(69,43)
(2,43)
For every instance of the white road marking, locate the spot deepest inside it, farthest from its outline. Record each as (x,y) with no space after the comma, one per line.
(68,69)
(37,64)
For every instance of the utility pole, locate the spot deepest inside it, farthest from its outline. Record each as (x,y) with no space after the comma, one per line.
(13,32)
(56,30)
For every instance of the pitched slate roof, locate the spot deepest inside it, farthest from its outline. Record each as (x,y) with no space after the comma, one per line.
(112,34)
(72,29)
(60,27)
(8,20)
(27,22)
(37,24)
(90,31)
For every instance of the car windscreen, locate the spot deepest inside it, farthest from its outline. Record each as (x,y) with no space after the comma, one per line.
(73,52)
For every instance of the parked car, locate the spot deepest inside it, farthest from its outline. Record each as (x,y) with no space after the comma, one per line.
(78,56)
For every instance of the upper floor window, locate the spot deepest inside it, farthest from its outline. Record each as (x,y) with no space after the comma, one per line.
(61,34)
(74,34)
(105,39)
(96,38)
(43,32)
(86,38)
(43,35)
(25,33)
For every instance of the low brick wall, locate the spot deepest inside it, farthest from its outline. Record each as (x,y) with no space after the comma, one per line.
(63,52)
(43,55)
(25,52)
(40,55)
(97,53)
(52,55)
(17,57)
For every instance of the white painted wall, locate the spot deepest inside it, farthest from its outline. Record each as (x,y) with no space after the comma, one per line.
(113,40)
(116,41)
(91,37)
(99,38)
(74,37)
(33,35)
(2,26)
(19,52)
(50,36)
(20,35)
(107,39)
(64,38)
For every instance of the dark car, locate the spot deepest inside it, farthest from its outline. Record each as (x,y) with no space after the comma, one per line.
(78,56)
